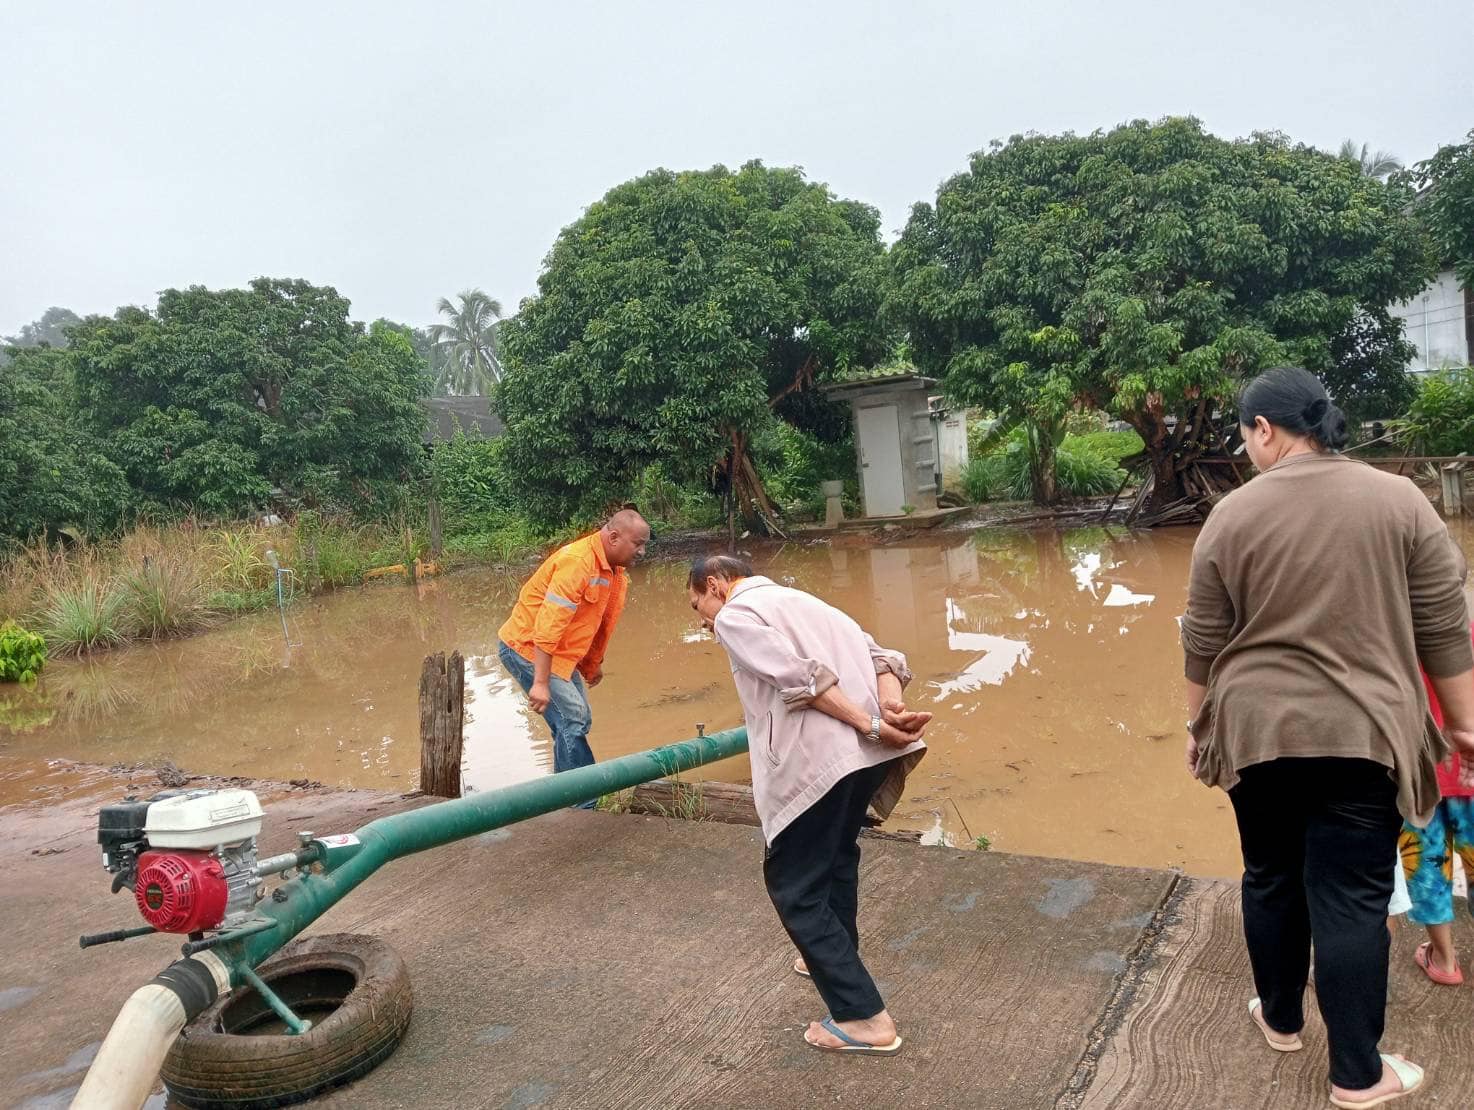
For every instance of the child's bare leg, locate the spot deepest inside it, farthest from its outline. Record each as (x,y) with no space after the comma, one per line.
(1442,955)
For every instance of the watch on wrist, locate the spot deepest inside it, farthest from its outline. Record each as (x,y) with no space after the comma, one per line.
(874,734)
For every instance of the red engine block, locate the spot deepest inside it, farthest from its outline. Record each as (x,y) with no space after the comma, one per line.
(180,891)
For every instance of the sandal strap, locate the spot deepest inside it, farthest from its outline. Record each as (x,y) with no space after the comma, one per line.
(1408,1073)
(828,1026)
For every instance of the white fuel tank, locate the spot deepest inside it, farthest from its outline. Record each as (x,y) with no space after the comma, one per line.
(203,819)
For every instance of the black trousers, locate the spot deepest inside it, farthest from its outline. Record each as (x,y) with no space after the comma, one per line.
(812,870)
(1319,838)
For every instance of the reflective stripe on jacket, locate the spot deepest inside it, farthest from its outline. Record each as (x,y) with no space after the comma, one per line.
(569,608)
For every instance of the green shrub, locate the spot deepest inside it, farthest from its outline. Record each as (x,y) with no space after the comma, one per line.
(22,653)
(1080,472)
(668,503)
(1441,419)
(512,541)
(792,463)
(1112,446)
(467,474)
(1003,474)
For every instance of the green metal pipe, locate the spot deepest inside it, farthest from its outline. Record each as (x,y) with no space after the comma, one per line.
(298,903)
(293,1023)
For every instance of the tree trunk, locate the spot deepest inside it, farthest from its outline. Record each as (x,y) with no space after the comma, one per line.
(1192,464)
(745,488)
(1151,425)
(1042,458)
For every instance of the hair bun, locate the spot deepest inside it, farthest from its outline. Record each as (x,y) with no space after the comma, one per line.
(1333,431)
(1315,412)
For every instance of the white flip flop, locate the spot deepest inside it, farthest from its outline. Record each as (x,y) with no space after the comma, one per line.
(1289,1046)
(800,970)
(1408,1074)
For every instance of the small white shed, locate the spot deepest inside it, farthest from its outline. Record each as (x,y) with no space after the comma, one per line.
(895,441)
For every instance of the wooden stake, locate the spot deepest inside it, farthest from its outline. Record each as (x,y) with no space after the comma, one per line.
(436,538)
(1452,475)
(442,724)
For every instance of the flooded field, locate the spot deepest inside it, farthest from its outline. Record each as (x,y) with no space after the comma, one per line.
(1050,658)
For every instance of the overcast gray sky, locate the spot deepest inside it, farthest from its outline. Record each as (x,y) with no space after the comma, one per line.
(402,150)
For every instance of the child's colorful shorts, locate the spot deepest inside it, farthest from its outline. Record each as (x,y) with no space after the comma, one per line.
(1428,860)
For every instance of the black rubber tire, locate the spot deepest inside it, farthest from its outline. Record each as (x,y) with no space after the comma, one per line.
(213,1065)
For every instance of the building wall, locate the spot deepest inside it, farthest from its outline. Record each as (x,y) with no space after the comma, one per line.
(1436,323)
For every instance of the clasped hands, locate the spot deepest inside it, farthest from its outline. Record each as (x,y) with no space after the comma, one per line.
(900,727)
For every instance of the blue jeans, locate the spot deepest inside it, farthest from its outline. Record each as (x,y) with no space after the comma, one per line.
(568,714)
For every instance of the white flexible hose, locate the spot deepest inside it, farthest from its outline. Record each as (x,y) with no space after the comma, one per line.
(123,1075)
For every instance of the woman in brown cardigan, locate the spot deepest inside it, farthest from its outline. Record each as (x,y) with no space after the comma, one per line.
(1316,591)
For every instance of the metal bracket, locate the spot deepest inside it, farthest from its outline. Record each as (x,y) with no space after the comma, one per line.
(246,929)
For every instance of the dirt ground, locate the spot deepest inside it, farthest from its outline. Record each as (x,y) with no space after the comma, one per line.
(599,960)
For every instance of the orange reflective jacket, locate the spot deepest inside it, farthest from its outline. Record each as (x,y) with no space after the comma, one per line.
(569,608)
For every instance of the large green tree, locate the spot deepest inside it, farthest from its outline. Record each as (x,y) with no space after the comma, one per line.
(1149,270)
(50,330)
(52,474)
(1447,206)
(673,320)
(221,397)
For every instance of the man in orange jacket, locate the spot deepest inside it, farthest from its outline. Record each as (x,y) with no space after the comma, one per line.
(555,639)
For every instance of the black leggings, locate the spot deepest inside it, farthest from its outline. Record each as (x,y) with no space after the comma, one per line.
(1319,838)
(812,870)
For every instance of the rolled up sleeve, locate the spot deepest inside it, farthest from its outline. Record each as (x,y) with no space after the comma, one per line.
(887,661)
(1435,582)
(1208,624)
(763,651)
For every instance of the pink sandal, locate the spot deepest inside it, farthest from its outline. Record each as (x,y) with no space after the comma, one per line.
(1423,957)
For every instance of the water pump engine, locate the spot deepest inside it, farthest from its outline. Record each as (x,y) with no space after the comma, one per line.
(189,856)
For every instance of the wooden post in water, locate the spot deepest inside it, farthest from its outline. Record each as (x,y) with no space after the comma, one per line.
(1453,488)
(436,538)
(442,717)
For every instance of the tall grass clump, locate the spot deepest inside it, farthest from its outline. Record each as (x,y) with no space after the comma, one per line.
(328,553)
(238,560)
(83,609)
(165,596)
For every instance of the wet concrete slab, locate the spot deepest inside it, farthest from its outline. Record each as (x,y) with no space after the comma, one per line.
(622,961)
(599,960)
(1186,1038)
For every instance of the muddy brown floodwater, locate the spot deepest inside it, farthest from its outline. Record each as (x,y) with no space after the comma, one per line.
(1050,659)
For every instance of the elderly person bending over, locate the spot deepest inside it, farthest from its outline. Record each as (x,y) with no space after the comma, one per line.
(828,736)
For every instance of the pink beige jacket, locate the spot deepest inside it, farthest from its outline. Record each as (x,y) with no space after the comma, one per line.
(786,648)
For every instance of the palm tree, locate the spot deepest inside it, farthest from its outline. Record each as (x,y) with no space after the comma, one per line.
(1379,164)
(466,343)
